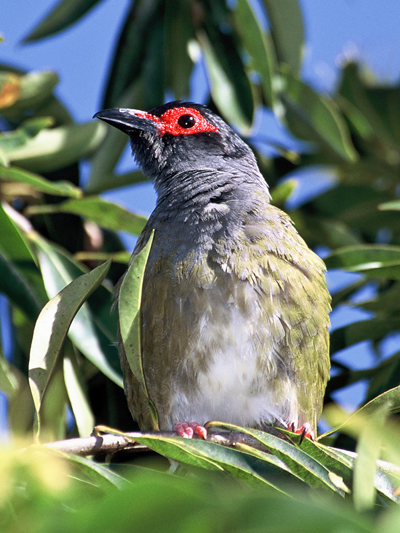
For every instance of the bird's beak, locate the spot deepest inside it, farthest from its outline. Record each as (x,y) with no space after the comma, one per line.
(128,120)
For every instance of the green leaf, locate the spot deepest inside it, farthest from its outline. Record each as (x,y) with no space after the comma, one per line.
(369,443)
(374,329)
(52,327)
(282,192)
(58,188)
(105,214)
(246,467)
(311,116)
(77,394)
(390,206)
(63,15)
(224,88)
(52,149)
(34,90)
(178,32)
(93,330)
(258,45)
(19,138)
(287,31)
(373,260)
(129,303)
(20,278)
(299,463)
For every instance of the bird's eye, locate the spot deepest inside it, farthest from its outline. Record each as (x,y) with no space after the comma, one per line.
(186,121)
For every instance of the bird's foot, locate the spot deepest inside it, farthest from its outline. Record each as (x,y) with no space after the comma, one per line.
(305,431)
(188,429)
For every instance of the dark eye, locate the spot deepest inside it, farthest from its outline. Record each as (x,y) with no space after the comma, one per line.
(186,121)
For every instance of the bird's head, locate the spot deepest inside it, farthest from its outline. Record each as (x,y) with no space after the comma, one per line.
(179,138)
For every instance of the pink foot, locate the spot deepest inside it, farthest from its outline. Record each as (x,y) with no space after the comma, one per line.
(305,431)
(187,430)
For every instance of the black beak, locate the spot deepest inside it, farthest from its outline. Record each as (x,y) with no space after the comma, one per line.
(128,120)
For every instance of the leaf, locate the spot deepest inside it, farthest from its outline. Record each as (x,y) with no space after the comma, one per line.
(52,149)
(313,117)
(282,192)
(105,214)
(93,330)
(224,89)
(373,260)
(246,467)
(178,31)
(287,31)
(52,326)
(58,188)
(299,463)
(369,443)
(35,89)
(132,55)
(77,394)
(63,15)
(373,329)
(258,45)
(390,206)
(129,303)
(20,278)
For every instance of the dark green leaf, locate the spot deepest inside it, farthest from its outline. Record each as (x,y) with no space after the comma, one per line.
(377,261)
(258,45)
(63,15)
(287,31)
(224,87)
(313,117)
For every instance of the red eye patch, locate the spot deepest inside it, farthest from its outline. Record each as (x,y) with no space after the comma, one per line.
(180,121)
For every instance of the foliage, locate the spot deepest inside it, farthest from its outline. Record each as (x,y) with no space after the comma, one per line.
(63,374)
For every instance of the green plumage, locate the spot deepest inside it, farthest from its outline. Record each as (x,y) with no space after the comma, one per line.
(264,292)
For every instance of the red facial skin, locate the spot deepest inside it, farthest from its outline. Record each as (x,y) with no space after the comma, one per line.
(168,121)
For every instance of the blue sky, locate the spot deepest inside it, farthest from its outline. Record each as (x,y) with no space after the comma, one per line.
(366,30)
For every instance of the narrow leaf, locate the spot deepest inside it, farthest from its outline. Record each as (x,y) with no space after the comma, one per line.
(52,326)
(58,188)
(311,116)
(63,15)
(287,31)
(93,331)
(129,303)
(258,45)
(105,214)
(223,89)
(75,386)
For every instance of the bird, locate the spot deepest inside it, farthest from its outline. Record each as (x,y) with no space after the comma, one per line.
(235,306)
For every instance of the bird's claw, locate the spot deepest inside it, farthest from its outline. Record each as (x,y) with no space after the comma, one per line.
(188,429)
(305,431)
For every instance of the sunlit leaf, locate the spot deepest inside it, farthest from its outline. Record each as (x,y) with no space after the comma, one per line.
(92,331)
(105,214)
(77,393)
(52,327)
(58,188)
(56,148)
(375,261)
(129,303)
